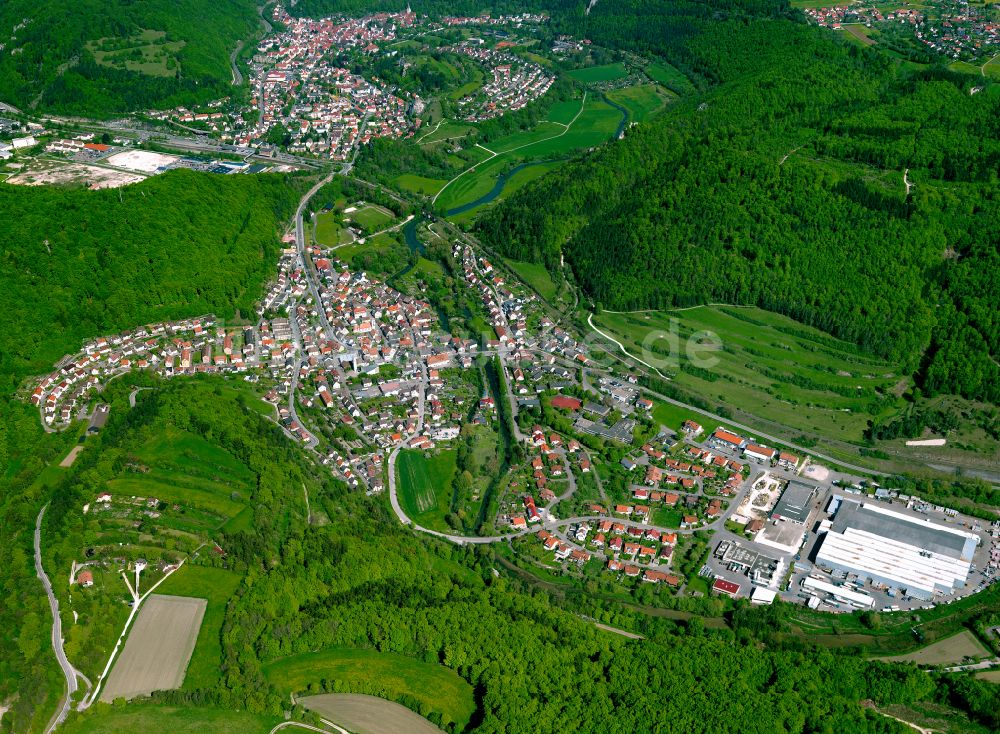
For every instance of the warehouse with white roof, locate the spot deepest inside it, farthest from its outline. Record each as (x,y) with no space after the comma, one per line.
(901,551)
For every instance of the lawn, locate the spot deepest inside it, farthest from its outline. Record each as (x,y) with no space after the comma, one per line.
(371,218)
(605,73)
(393,676)
(642,101)
(537,276)
(796,378)
(147,717)
(669,77)
(425,490)
(673,417)
(217,585)
(206,496)
(329,232)
(666,517)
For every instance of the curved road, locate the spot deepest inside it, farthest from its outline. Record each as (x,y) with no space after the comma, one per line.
(57,640)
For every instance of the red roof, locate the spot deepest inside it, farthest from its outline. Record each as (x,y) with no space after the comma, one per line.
(566,403)
(726,587)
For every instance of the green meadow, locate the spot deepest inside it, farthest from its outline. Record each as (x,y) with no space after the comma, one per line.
(425,489)
(217,585)
(642,101)
(605,73)
(765,364)
(362,671)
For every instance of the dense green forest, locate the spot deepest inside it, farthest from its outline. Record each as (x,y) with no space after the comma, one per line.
(51,59)
(783,187)
(363,581)
(79,263)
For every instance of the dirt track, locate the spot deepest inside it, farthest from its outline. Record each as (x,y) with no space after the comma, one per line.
(158,648)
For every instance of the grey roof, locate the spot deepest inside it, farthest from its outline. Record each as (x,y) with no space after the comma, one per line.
(795,501)
(915,532)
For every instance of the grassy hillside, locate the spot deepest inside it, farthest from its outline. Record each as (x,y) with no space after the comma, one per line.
(81,263)
(100,57)
(783,188)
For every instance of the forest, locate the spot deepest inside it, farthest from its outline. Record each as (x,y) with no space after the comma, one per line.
(783,187)
(47,63)
(79,263)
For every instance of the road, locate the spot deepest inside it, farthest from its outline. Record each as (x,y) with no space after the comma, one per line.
(237,74)
(69,671)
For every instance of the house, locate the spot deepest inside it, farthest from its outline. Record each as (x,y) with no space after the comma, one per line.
(759,453)
(723,439)
(691,428)
(728,588)
(85,579)
(788,461)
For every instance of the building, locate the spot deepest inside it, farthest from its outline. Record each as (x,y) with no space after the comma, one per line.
(726,587)
(759,453)
(723,439)
(795,502)
(901,551)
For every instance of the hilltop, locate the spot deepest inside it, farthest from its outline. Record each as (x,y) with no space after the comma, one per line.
(102,57)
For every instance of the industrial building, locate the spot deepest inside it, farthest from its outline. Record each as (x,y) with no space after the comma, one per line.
(901,551)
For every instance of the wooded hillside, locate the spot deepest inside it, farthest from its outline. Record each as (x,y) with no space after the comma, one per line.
(784,187)
(79,263)
(101,57)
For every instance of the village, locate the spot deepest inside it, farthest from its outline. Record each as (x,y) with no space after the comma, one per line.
(361,373)
(948,28)
(307,100)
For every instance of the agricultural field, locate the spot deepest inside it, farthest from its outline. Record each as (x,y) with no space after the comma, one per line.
(368,714)
(949,651)
(147,53)
(435,687)
(863,35)
(993,676)
(792,376)
(146,717)
(642,101)
(216,585)
(592,74)
(425,486)
(159,645)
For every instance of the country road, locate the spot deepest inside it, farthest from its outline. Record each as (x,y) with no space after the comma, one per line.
(57,639)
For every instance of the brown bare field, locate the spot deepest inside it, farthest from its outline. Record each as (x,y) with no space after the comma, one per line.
(949,650)
(71,457)
(48,172)
(993,676)
(368,714)
(158,648)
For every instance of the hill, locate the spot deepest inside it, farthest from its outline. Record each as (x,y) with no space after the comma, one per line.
(363,605)
(101,57)
(817,180)
(80,263)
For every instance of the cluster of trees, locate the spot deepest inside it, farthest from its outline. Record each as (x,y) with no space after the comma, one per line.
(80,263)
(48,63)
(702,204)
